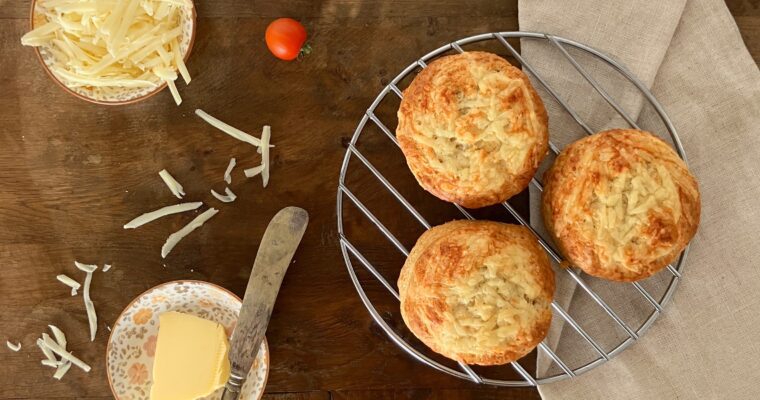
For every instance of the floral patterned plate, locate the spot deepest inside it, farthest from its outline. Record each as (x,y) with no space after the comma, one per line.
(132,344)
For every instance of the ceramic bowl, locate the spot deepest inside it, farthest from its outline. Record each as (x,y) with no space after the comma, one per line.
(132,344)
(125,95)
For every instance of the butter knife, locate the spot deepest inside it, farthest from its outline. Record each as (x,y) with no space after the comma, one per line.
(277,247)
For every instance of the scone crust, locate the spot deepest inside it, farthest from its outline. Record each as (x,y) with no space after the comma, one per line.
(473,129)
(620,204)
(477,291)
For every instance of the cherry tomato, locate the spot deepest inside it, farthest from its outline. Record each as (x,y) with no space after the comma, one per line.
(285,39)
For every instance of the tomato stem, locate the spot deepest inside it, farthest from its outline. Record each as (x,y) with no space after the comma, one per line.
(305,50)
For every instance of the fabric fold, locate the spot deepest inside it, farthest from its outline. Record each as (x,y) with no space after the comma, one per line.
(692,56)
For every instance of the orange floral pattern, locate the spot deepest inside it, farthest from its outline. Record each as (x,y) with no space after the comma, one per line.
(137,373)
(205,303)
(142,316)
(150,345)
(158,299)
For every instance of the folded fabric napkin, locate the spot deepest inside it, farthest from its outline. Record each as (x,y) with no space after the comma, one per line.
(706,344)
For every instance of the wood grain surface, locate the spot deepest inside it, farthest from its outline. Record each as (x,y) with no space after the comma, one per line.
(73,173)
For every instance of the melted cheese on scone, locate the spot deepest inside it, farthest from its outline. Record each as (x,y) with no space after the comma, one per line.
(620,204)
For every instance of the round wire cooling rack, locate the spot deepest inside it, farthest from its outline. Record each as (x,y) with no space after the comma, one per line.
(349,250)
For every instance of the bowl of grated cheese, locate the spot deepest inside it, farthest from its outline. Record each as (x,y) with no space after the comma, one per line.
(113,52)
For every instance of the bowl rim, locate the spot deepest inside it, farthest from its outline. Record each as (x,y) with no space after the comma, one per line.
(194,17)
(174,282)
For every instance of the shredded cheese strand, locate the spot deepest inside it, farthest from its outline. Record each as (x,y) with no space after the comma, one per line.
(172,183)
(229,198)
(265,136)
(12,346)
(234,132)
(45,351)
(161,212)
(92,318)
(49,363)
(60,338)
(55,348)
(228,172)
(68,281)
(62,370)
(196,223)
(89,268)
(251,172)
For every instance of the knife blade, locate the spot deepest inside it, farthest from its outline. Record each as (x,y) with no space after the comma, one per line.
(277,247)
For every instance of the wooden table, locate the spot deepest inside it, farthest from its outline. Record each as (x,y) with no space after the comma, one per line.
(73,173)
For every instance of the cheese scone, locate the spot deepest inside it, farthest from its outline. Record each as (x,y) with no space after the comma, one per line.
(479,292)
(473,129)
(620,204)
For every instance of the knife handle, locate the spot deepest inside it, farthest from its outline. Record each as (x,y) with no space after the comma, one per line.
(233,386)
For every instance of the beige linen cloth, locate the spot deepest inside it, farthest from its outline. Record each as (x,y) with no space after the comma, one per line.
(706,345)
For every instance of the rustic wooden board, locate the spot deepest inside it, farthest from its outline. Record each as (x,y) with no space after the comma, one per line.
(73,173)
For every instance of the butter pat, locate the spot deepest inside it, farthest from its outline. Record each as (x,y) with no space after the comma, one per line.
(191,358)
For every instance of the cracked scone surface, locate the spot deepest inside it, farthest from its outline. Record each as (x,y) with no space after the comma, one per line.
(473,129)
(620,204)
(477,291)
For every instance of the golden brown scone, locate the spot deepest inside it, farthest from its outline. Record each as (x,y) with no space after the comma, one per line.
(620,204)
(477,291)
(473,129)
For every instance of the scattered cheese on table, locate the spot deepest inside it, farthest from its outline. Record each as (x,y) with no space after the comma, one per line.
(196,223)
(161,212)
(13,346)
(251,172)
(92,317)
(60,338)
(172,183)
(228,172)
(265,136)
(228,198)
(74,285)
(61,352)
(85,267)
(232,131)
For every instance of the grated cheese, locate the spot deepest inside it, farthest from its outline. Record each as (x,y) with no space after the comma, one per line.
(161,212)
(228,172)
(65,355)
(12,346)
(60,338)
(196,223)
(74,285)
(234,132)
(180,63)
(49,363)
(104,45)
(85,267)
(251,172)
(265,136)
(62,370)
(45,351)
(106,267)
(92,318)
(172,183)
(229,198)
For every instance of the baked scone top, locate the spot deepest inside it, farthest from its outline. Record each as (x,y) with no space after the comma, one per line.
(473,129)
(477,291)
(620,204)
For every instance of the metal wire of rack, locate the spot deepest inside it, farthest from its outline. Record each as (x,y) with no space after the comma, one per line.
(348,249)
